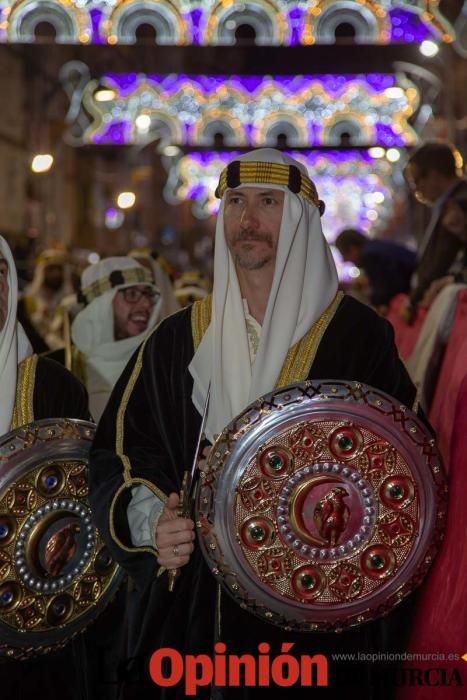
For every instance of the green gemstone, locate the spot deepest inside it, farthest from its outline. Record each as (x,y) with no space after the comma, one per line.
(377,562)
(257,533)
(344,442)
(275,461)
(308,581)
(396,491)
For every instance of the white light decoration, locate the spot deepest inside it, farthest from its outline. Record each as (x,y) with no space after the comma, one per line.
(143,122)
(93,258)
(394,92)
(104,95)
(214,22)
(126,200)
(429,48)
(393,155)
(42,162)
(171,151)
(376,152)
(312,110)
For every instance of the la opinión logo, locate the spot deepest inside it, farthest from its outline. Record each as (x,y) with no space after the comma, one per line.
(167,667)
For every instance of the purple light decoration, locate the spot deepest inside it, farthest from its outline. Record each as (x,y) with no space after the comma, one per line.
(167,86)
(334,85)
(313,134)
(196,17)
(118,133)
(386,136)
(126,82)
(296,24)
(249,132)
(205,157)
(195,191)
(408,27)
(311,157)
(380,81)
(96,16)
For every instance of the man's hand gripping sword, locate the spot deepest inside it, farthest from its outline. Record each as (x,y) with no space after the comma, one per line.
(190,480)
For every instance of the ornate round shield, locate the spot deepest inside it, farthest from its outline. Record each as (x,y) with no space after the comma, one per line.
(322,505)
(56,574)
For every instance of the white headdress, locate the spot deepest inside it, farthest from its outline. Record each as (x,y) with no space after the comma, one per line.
(92,331)
(305,283)
(161,279)
(14,344)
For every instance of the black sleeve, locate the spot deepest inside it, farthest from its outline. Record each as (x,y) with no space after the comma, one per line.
(143,438)
(358,345)
(57,393)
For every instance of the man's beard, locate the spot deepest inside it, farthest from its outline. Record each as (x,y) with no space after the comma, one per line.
(250,261)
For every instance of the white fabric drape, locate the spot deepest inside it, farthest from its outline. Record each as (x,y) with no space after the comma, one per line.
(92,332)
(14,344)
(305,282)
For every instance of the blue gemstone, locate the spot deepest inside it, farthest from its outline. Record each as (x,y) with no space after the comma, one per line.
(3,530)
(51,482)
(59,608)
(6,598)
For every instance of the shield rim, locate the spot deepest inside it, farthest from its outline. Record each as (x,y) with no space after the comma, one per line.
(242,449)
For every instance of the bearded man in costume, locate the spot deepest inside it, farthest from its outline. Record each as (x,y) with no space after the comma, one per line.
(122,306)
(41,299)
(275,317)
(32,388)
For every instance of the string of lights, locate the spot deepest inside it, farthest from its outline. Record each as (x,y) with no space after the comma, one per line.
(215,22)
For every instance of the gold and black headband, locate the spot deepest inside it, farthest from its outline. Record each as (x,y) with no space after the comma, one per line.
(117,278)
(245,172)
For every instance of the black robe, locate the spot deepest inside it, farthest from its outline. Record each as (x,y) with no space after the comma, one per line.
(71,673)
(157,438)
(57,393)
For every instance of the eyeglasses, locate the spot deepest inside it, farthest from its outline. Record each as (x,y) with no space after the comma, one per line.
(133,295)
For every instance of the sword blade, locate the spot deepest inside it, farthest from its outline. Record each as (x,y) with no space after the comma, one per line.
(194,466)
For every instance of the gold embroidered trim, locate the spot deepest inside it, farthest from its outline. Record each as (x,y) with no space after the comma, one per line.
(200,319)
(258,172)
(23,411)
(120,422)
(119,447)
(300,357)
(121,413)
(128,484)
(253,338)
(78,364)
(130,276)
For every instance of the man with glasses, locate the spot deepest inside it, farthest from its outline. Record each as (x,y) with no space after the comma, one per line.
(434,175)
(122,306)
